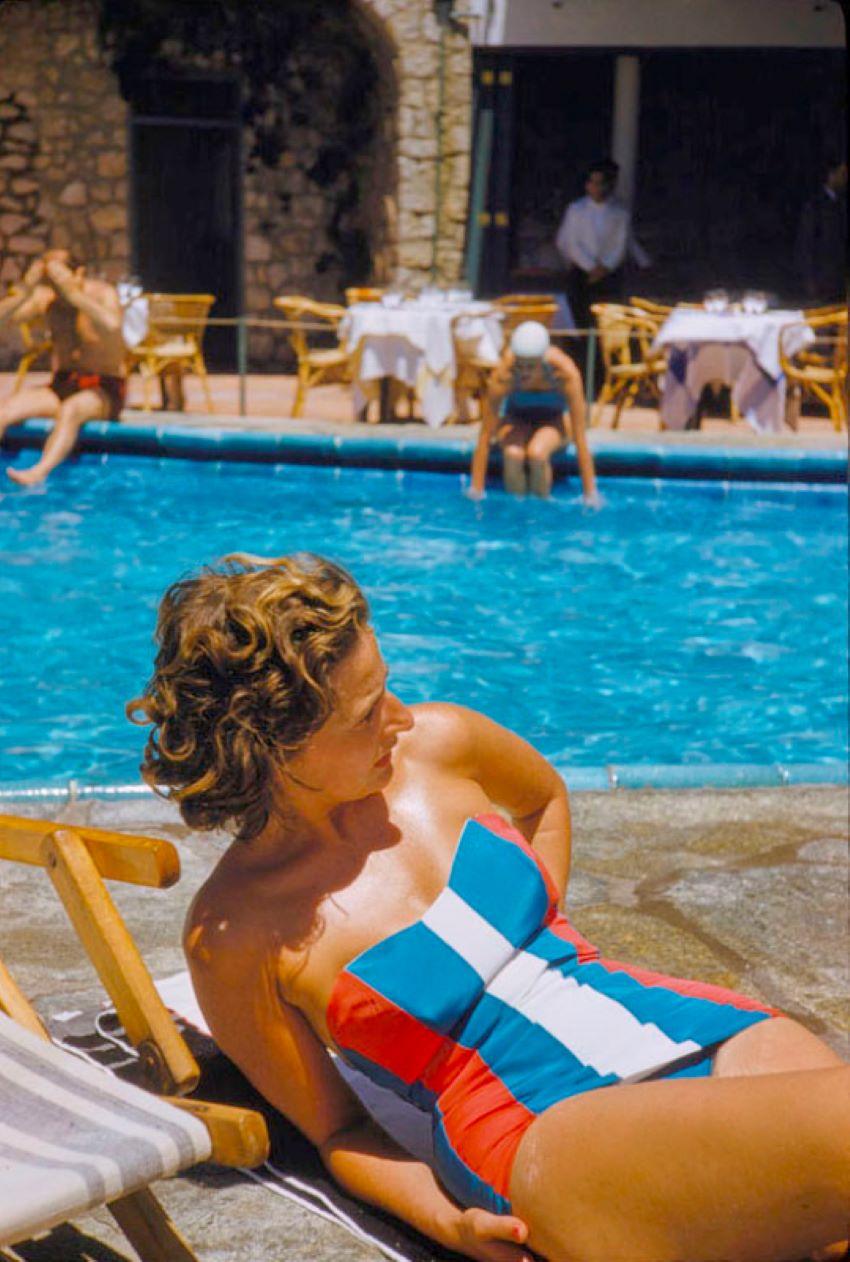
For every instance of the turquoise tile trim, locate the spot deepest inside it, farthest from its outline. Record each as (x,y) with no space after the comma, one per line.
(579,780)
(614,458)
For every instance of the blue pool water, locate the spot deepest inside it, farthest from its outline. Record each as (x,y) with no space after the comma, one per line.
(681,624)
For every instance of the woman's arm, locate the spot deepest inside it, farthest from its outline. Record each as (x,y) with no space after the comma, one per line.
(497,388)
(481,455)
(574,391)
(511,772)
(372,1167)
(276,1049)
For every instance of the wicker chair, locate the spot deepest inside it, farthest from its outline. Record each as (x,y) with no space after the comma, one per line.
(625,338)
(315,366)
(36,339)
(520,307)
(658,310)
(820,373)
(363,293)
(174,340)
(472,375)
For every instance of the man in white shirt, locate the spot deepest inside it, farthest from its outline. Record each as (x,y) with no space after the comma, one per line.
(594,238)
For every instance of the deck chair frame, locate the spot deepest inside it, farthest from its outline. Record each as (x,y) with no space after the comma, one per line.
(77,860)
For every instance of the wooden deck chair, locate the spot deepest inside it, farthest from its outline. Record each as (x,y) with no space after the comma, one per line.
(73,1137)
(174,341)
(314,366)
(625,338)
(819,371)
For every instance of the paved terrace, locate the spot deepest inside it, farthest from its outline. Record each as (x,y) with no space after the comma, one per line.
(744,888)
(329,410)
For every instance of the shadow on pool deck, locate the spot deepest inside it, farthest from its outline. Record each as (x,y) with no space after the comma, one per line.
(745,888)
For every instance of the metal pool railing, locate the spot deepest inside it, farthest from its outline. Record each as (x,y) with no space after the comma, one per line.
(244,324)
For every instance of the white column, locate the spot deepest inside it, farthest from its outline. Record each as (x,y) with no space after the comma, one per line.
(624,128)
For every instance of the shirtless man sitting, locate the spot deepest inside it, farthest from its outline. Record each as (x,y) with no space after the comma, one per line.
(88,383)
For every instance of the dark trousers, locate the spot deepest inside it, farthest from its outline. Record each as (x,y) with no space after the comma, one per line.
(582,295)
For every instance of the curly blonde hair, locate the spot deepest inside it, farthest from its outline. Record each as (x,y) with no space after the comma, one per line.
(241,680)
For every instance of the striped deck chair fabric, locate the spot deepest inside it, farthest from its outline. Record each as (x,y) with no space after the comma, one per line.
(73,1137)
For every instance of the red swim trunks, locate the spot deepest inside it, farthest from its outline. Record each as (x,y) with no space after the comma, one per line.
(68,381)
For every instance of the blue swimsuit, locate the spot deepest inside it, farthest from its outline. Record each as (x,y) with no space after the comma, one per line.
(535,407)
(491,1008)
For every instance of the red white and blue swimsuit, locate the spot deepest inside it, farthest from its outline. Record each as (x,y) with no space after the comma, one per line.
(492,1007)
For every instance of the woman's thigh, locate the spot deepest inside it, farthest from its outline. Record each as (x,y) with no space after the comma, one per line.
(772,1047)
(545,440)
(744,1169)
(514,436)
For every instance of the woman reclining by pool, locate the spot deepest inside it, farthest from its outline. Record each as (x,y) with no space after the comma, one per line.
(583,1109)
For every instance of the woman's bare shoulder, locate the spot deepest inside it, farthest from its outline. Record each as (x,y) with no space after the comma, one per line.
(442,731)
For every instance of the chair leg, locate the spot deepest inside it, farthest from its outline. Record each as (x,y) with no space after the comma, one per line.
(201,371)
(149,1229)
(300,395)
(146,391)
(600,402)
(23,369)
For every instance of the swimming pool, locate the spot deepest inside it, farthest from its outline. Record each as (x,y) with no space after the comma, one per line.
(683,624)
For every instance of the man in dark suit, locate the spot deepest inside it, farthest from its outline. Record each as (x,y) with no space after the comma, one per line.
(822,238)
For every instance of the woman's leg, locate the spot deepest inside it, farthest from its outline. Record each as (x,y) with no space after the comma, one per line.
(750,1165)
(513,439)
(544,442)
(86,405)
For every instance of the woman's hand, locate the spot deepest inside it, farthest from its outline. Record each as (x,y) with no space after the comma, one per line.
(492,1237)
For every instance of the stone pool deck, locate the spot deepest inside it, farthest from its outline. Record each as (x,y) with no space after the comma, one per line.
(743,888)
(329,410)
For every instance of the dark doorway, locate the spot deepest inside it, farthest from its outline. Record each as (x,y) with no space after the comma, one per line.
(186,180)
(551,116)
(732,142)
(564,105)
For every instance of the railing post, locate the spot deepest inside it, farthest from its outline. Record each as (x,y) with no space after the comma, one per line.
(590,371)
(242,362)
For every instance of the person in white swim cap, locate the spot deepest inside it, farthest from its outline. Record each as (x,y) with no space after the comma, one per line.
(534,404)
(530,340)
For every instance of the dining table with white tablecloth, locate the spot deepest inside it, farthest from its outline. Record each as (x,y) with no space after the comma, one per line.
(737,348)
(416,341)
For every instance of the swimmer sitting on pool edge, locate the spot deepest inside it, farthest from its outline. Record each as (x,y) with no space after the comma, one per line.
(534,400)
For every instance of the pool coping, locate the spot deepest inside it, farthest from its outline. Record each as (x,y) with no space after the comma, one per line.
(613,457)
(608,778)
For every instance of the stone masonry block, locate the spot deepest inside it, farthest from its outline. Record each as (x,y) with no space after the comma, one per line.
(73,194)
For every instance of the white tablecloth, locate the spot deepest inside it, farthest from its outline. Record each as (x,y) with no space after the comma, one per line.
(737,348)
(134,313)
(414,342)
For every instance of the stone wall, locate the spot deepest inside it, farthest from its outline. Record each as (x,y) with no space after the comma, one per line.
(64,161)
(63,141)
